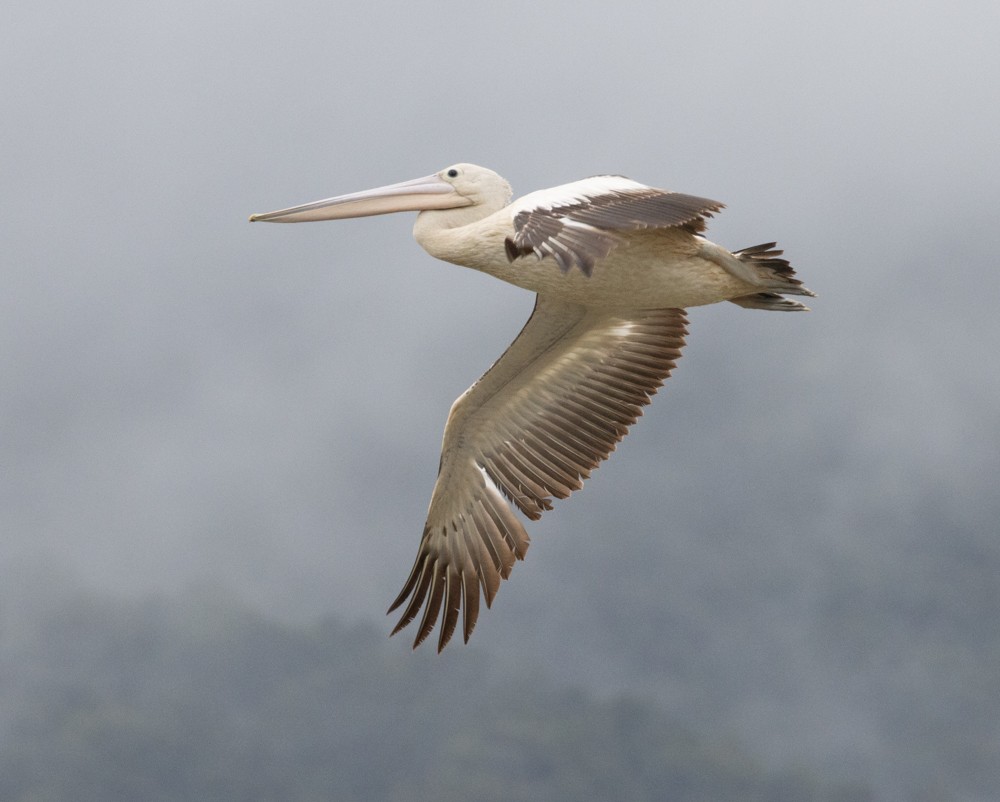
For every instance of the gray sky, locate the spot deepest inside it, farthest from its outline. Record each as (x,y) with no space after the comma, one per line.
(170,370)
(186,398)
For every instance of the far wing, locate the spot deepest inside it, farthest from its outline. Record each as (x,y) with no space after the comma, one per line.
(578,224)
(532,428)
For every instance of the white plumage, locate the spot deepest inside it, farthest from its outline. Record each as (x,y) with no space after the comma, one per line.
(613,263)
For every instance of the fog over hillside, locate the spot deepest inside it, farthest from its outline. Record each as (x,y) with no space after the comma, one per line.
(797,546)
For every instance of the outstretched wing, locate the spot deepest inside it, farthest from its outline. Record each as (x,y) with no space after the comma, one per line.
(579,223)
(532,428)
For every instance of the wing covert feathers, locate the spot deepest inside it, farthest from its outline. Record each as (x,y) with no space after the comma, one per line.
(533,428)
(578,231)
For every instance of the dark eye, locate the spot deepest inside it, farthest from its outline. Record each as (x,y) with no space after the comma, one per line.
(453,173)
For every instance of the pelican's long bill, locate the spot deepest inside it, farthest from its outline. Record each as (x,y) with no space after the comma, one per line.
(420,194)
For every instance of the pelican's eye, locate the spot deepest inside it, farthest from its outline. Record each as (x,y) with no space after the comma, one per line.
(453,173)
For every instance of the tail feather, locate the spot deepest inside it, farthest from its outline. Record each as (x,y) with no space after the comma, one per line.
(776,274)
(770,301)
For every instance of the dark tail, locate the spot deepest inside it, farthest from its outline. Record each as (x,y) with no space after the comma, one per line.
(779,276)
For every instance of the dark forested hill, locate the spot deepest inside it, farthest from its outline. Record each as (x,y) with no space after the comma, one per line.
(206,701)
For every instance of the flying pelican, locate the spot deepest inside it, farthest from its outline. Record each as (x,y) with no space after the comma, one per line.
(613,263)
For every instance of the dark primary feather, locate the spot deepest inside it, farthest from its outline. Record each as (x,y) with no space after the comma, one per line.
(530,430)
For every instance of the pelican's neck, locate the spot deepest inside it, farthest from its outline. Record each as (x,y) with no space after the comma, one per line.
(455,235)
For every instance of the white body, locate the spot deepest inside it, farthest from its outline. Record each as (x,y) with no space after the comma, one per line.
(653,268)
(614,264)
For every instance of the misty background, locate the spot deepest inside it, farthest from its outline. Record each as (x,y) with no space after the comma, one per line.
(796,550)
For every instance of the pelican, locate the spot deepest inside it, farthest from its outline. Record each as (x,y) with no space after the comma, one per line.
(613,264)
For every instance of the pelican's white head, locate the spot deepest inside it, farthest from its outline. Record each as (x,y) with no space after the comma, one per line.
(480,185)
(455,187)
